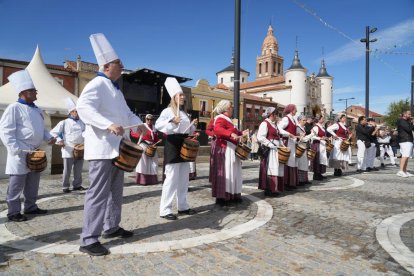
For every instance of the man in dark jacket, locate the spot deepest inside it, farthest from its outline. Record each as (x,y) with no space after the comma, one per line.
(372,150)
(363,134)
(405,138)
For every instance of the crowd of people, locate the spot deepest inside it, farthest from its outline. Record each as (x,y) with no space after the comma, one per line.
(95,130)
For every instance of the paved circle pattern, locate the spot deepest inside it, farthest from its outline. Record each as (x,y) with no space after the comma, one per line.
(263,215)
(388,235)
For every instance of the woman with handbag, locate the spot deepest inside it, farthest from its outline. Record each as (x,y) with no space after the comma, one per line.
(271,171)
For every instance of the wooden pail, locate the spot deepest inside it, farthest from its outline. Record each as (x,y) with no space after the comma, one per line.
(78,151)
(129,156)
(189,149)
(283,154)
(243,151)
(36,161)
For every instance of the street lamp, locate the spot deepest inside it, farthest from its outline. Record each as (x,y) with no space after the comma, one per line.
(346,106)
(366,40)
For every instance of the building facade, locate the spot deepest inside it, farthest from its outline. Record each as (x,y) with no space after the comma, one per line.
(312,94)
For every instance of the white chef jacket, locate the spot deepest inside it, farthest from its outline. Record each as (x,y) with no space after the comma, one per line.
(165,125)
(21,128)
(100,105)
(72,131)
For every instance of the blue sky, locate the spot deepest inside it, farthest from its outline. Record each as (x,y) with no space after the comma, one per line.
(194,38)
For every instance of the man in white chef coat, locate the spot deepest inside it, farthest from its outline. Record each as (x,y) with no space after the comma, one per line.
(22,130)
(103,109)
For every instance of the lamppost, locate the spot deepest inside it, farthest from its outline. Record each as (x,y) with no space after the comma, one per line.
(346,106)
(366,40)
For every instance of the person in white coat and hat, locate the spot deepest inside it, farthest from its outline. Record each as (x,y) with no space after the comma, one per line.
(69,133)
(103,109)
(175,123)
(22,129)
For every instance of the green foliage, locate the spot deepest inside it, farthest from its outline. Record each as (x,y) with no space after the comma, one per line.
(394,111)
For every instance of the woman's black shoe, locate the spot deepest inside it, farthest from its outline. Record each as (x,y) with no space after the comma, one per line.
(170,217)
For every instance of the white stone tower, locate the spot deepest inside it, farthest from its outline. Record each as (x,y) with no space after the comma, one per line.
(326,88)
(295,76)
(226,76)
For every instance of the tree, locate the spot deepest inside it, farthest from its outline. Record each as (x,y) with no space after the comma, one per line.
(394,112)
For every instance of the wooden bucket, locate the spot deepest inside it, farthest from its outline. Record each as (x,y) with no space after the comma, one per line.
(300,149)
(311,154)
(129,156)
(329,146)
(150,151)
(243,151)
(189,149)
(345,145)
(36,161)
(78,151)
(283,154)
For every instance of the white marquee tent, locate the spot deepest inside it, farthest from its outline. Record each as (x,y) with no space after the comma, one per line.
(50,98)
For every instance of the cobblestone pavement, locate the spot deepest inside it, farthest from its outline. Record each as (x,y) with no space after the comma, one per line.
(324,229)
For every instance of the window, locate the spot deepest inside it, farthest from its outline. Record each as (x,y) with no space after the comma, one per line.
(60,81)
(266,66)
(260,68)
(221,81)
(242,79)
(203,108)
(274,67)
(232,79)
(279,68)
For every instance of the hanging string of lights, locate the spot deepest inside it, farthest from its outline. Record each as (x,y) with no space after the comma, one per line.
(372,52)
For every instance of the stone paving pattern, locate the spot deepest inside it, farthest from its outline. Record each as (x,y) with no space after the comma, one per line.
(311,232)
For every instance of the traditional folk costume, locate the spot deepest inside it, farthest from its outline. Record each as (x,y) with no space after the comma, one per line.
(101,105)
(363,134)
(193,171)
(227,177)
(303,161)
(210,133)
(271,171)
(22,129)
(319,163)
(288,125)
(70,132)
(339,159)
(384,141)
(147,168)
(176,169)
(372,150)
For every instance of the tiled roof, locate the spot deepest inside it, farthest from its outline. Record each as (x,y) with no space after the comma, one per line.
(49,66)
(263,82)
(362,109)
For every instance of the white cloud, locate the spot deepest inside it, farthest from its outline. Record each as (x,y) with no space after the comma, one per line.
(350,89)
(399,34)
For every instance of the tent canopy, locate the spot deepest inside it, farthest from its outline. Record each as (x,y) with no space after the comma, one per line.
(50,94)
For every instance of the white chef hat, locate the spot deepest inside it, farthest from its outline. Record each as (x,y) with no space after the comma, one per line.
(21,81)
(70,104)
(268,111)
(173,87)
(102,49)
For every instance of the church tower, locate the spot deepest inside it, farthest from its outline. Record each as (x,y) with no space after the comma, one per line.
(269,63)
(326,88)
(296,77)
